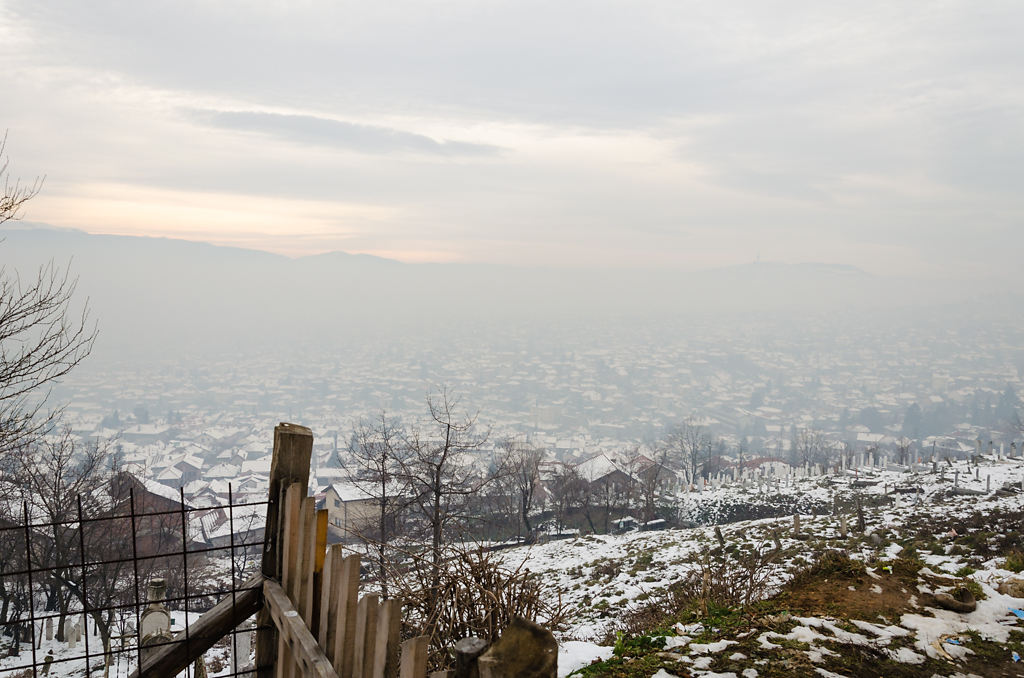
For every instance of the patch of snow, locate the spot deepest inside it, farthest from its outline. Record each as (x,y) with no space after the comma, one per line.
(718,646)
(703,663)
(676,641)
(905,655)
(818,654)
(575,654)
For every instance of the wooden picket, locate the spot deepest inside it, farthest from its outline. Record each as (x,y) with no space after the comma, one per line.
(351,637)
(311,622)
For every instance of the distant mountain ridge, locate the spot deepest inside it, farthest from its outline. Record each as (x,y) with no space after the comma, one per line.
(53,236)
(179,293)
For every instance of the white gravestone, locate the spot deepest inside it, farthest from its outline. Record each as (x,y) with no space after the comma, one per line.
(155,622)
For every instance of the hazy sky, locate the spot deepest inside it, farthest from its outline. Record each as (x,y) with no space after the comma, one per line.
(882,134)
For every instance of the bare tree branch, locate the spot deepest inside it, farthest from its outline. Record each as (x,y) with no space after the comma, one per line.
(43,336)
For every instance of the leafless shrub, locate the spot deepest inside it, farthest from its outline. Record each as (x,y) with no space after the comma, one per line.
(733,577)
(477,594)
(740,576)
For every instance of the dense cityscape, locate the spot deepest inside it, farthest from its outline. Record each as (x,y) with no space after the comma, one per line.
(577,392)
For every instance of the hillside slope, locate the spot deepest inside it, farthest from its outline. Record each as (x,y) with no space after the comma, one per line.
(768,598)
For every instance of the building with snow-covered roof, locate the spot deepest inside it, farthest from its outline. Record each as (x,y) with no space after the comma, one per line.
(351,510)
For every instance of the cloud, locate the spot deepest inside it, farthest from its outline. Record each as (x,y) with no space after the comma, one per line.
(318,131)
(873,134)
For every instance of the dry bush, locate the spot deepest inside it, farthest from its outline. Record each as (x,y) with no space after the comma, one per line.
(740,577)
(716,579)
(477,595)
(830,564)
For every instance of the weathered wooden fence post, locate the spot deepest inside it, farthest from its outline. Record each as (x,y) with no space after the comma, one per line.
(293,448)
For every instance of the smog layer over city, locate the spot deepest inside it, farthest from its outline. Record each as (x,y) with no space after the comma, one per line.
(511,339)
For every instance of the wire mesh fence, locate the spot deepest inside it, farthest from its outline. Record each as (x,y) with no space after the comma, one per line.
(89,585)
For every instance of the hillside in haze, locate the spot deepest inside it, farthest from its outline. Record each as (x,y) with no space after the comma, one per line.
(162,293)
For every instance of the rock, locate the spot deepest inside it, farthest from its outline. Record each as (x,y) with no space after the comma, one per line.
(467,652)
(525,650)
(961,600)
(1013,587)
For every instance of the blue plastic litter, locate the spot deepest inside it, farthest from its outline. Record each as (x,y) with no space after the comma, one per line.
(1019,613)
(953,641)
(1016,657)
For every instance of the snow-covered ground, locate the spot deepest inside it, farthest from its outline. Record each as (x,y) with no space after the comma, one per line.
(599,578)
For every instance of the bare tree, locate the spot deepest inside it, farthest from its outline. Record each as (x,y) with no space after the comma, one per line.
(15,194)
(76,502)
(809,447)
(687,444)
(374,464)
(652,478)
(568,492)
(715,460)
(42,335)
(56,476)
(499,501)
(903,450)
(522,462)
(439,469)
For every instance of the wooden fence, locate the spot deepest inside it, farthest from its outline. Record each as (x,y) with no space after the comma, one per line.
(310,619)
(311,622)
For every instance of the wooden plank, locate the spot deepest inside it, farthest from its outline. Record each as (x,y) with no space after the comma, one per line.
(366,628)
(389,627)
(293,447)
(171,659)
(345,613)
(414,658)
(318,571)
(327,626)
(290,534)
(283,658)
(307,563)
(309,658)
(321,539)
(291,538)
